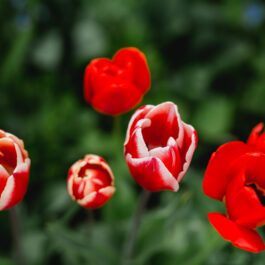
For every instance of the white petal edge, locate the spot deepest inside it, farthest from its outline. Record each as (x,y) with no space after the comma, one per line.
(189,152)
(95,161)
(166,176)
(104,164)
(158,151)
(138,139)
(171,141)
(70,186)
(107,191)
(172,112)
(3,171)
(8,190)
(134,116)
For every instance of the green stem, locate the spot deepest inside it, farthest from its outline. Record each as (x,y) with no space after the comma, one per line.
(131,238)
(16,236)
(90,222)
(116,125)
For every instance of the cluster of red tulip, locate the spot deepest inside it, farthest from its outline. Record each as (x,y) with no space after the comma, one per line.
(158,150)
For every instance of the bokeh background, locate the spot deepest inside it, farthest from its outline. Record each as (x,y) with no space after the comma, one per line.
(206,56)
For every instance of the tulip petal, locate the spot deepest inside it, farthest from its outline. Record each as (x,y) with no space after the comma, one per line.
(136,145)
(97,75)
(6,196)
(89,178)
(255,133)
(20,144)
(216,179)
(188,147)
(86,201)
(239,236)
(237,182)
(254,219)
(138,115)
(165,123)
(97,199)
(255,167)
(257,138)
(3,178)
(99,163)
(170,157)
(151,173)
(8,155)
(114,100)
(16,186)
(2,133)
(132,57)
(79,185)
(70,183)
(244,203)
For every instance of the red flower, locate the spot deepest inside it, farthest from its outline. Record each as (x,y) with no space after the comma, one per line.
(14,170)
(159,147)
(116,86)
(236,176)
(90,182)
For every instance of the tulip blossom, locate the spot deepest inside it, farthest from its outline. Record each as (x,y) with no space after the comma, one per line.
(90,182)
(14,170)
(159,147)
(118,85)
(235,175)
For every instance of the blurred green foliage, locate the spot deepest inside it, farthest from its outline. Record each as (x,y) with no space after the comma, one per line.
(206,56)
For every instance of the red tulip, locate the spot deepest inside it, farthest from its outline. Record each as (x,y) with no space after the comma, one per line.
(159,147)
(236,176)
(90,182)
(118,85)
(14,170)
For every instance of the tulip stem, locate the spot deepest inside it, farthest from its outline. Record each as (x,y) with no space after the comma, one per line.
(116,125)
(90,221)
(131,238)
(16,235)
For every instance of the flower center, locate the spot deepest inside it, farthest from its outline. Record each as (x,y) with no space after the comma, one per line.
(156,135)
(259,191)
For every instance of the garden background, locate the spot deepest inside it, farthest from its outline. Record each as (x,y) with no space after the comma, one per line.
(208,57)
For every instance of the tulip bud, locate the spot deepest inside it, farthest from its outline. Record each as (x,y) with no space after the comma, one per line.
(14,170)
(159,147)
(118,85)
(90,182)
